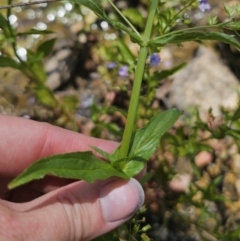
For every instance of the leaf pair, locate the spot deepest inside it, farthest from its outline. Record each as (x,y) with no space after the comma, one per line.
(86,166)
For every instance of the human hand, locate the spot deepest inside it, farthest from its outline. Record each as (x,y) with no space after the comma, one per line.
(53,208)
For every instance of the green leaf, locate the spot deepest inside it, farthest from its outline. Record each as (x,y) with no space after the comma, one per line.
(117,109)
(127,55)
(134,166)
(112,127)
(144,143)
(146,139)
(229,10)
(158,76)
(76,165)
(9,31)
(193,36)
(3,22)
(114,157)
(45,96)
(46,47)
(134,16)
(212,20)
(144,236)
(34,61)
(9,62)
(34,31)
(103,153)
(134,37)
(70,103)
(218,198)
(234,26)
(38,72)
(218,180)
(233,133)
(33,57)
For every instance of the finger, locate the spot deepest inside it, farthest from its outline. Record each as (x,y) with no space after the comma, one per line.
(30,140)
(79,211)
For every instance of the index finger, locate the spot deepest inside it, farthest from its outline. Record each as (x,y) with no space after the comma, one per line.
(24,141)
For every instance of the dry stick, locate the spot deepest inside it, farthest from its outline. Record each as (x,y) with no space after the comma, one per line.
(27,4)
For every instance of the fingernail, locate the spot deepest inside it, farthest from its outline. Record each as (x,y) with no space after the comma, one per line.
(121,199)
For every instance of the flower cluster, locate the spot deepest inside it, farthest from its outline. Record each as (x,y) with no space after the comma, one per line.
(122,71)
(203,5)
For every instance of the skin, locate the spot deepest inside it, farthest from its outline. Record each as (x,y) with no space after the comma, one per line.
(54,208)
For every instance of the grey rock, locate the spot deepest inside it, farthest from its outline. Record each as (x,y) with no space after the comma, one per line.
(63,54)
(205,82)
(53,81)
(51,65)
(60,64)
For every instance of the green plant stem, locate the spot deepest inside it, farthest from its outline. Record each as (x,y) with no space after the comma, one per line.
(191,29)
(12,34)
(125,19)
(132,111)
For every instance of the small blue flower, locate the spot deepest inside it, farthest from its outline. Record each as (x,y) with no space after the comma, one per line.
(123,71)
(154,60)
(111,65)
(203,5)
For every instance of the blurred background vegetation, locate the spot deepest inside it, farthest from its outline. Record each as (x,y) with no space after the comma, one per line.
(62,65)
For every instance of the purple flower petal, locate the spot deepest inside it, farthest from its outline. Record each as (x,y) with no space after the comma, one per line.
(203,5)
(154,60)
(111,65)
(123,71)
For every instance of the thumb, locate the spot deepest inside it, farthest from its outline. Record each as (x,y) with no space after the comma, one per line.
(79,211)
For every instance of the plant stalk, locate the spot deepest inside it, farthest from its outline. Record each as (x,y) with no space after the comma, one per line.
(125,19)
(132,111)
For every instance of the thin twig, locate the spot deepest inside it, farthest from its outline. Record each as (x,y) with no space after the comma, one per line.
(27,4)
